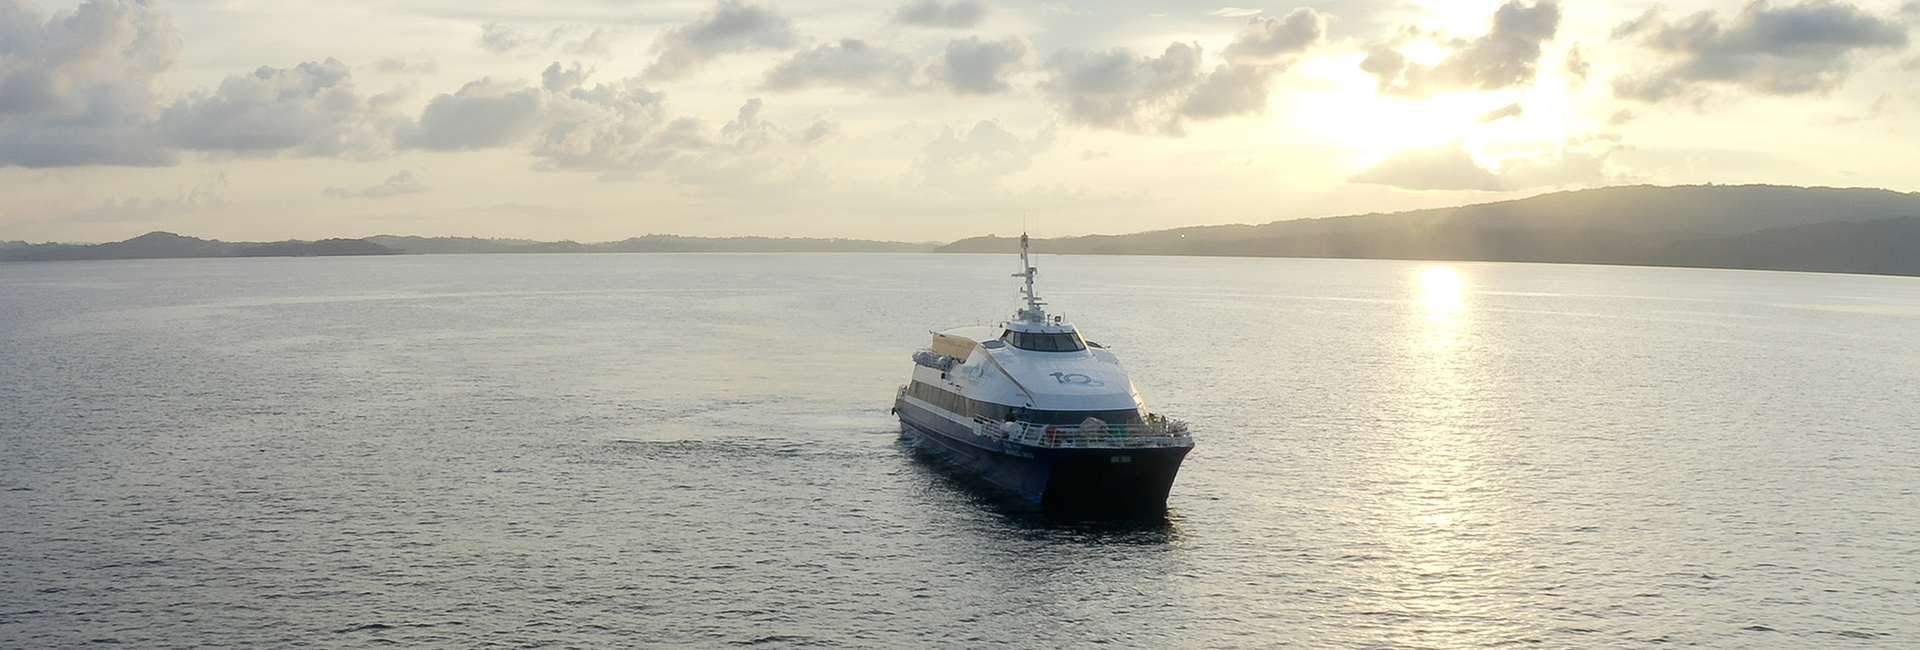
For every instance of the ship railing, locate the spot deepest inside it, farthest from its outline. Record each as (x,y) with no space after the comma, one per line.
(1154,431)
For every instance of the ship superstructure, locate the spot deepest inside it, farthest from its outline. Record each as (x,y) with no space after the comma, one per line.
(1032,406)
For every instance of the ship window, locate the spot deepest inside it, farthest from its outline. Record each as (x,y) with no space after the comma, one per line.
(967,407)
(1044,341)
(1074,418)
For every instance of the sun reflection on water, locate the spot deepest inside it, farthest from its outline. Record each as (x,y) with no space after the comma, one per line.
(1440,500)
(1441,290)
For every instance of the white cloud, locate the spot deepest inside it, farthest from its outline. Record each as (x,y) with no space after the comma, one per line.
(970,66)
(1507,56)
(1810,47)
(959,14)
(731,26)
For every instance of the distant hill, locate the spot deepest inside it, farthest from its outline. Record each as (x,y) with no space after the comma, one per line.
(1741,226)
(165,244)
(1747,226)
(647,244)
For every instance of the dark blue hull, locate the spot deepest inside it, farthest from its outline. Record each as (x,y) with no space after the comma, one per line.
(1068,482)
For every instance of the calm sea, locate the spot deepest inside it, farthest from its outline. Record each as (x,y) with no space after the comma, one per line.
(695,451)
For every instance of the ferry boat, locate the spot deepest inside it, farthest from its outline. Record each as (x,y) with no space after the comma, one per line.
(1032,406)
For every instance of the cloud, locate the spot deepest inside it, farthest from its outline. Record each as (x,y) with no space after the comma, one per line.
(559,79)
(1230,90)
(959,14)
(80,87)
(133,209)
(398,184)
(751,152)
(608,126)
(1256,57)
(731,26)
(620,130)
(1577,161)
(1276,41)
(1805,48)
(970,66)
(1504,112)
(501,38)
(1576,67)
(425,66)
(482,115)
(597,43)
(1114,89)
(977,162)
(851,63)
(310,109)
(1505,57)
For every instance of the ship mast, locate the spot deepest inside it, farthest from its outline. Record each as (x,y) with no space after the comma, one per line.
(1033,313)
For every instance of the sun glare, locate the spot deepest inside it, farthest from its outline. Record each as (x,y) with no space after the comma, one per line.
(1442,290)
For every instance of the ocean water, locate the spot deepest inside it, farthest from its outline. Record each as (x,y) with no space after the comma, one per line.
(695,451)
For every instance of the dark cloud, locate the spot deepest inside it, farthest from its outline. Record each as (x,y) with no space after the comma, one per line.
(1578,161)
(1114,89)
(1117,90)
(978,161)
(396,185)
(959,14)
(482,115)
(970,66)
(1505,57)
(731,26)
(310,109)
(1805,48)
(851,63)
(1504,112)
(80,87)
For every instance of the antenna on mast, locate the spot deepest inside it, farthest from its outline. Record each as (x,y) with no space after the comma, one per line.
(1032,313)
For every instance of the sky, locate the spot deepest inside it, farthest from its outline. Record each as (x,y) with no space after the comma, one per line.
(915,120)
